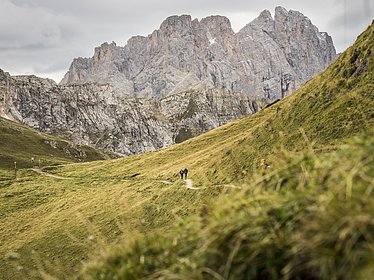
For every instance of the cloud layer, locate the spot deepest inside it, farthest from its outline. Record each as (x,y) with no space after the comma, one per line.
(42,36)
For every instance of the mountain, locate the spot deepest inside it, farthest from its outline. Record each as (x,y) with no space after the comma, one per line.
(310,216)
(269,58)
(196,75)
(92,114)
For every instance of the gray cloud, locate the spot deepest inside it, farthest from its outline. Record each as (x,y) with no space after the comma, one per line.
(43,36)
(353,18)
(353,15)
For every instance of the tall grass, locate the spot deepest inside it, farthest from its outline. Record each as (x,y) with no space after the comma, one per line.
(309,216)
(312,218)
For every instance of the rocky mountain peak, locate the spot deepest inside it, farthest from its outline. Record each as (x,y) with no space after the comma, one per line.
(219,23)
(264,21)
(216,37)
(74,75)
(183,79)
(136,40)
(300,38)
(268,58)
(3,74)
(106,53)
(286,18)
(176,25)
(280,11)
(264,18)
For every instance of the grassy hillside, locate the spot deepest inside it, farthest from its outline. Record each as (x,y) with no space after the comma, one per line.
(20,143)
(52,222)
(311,219)
(333,106)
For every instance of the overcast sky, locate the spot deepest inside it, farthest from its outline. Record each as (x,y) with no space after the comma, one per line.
(42,37)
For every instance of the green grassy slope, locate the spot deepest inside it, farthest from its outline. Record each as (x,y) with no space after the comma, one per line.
(54,223)
(19,143)
(334,105)
(310,217)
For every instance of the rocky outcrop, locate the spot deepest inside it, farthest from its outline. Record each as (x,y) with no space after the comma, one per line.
(95,115)
(269,58)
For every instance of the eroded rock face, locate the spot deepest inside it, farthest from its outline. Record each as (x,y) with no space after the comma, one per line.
(95,115)
(185,78)
(269,58)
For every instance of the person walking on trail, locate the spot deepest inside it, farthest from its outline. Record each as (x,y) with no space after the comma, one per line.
(264,165)
(185,171)
(181,172)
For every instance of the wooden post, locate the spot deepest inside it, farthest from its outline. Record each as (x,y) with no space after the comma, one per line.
(15,170)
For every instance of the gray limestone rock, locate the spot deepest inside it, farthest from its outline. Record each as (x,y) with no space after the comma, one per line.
(269,58)
(185,78)
(95,115)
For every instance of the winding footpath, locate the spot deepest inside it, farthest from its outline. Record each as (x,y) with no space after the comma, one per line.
(39,171)
(189,185)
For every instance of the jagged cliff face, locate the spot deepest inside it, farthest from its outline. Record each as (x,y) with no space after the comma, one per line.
(268,58)
(95,115)
(186,78)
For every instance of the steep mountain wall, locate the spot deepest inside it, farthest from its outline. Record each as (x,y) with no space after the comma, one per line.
(94,115)
(185,78)
(269,58)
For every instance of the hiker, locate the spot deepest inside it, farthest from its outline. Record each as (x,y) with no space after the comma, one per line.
(264,165)
(185,171)
(181,172)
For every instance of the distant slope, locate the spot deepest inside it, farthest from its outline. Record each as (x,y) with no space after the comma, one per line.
(19,143)
(52,224)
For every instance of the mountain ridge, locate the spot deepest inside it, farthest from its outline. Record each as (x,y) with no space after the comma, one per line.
(92,114)
(208,51)
(312,209)
(206,73)
(298,219)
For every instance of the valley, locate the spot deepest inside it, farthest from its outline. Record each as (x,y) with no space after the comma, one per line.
(313,140)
